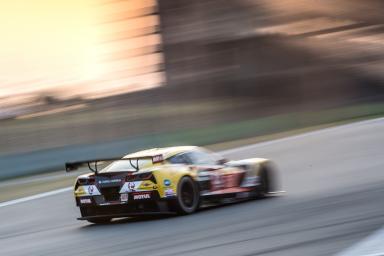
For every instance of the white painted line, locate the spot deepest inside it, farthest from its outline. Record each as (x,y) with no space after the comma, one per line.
(372,245)
(261,144)
(29,198)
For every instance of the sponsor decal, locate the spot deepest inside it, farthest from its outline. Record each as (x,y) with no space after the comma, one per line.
(157,158)
(124,197)
(251,181)
(167,183)
(131,185)
(169,192)
(87,190)
(109,181)
(216,181)
(90,190)
(203,177)
(85,201)
(139,196)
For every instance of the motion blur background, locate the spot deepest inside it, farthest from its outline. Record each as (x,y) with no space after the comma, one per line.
(101,78)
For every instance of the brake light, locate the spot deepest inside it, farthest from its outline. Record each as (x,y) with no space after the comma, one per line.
(145,176)
(140,176)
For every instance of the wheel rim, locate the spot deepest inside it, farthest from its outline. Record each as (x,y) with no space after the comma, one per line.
(187,195)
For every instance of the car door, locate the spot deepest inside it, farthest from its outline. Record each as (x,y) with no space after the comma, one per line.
(214,177)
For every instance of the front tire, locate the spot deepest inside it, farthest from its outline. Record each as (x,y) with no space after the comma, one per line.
(188,196)
(269,181)
(263,189)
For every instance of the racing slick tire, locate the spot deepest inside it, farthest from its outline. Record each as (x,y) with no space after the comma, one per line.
(263,189)
(188,197)
(268,181)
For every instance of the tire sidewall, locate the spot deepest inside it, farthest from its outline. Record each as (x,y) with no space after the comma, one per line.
(182,208)
(263,189)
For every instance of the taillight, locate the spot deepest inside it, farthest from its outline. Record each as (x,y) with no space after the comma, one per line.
(145,176)
(140,176)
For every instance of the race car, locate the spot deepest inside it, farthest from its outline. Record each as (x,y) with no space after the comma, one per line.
(173,180)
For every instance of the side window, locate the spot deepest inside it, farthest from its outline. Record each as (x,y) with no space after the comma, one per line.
(201,158)
(179,159)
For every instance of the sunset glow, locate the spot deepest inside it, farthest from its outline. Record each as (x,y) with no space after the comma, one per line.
(50,45)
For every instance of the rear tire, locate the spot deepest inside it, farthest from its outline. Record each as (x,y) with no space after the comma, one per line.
(188,197)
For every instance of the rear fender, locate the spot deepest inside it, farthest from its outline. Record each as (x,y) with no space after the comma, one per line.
(168,176)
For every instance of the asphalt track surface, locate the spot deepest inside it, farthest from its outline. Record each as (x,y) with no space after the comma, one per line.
(334,182)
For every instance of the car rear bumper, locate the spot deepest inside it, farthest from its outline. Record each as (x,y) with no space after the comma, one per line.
(151,207)
(123,215)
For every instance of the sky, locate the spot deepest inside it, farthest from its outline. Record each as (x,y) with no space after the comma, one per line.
(54,44)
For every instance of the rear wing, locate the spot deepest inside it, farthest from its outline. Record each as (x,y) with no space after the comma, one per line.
(93,164)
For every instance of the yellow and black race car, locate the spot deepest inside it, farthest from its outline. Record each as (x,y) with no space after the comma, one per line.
(167,180)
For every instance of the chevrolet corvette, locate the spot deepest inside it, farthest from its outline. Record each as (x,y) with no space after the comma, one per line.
(173,180)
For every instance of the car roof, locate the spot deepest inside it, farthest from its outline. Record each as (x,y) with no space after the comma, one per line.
(165,152)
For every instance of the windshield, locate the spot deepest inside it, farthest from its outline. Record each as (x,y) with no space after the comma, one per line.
(127,166)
